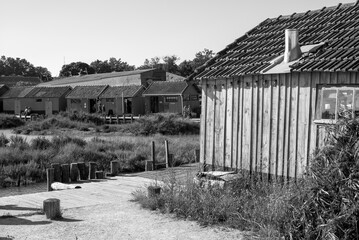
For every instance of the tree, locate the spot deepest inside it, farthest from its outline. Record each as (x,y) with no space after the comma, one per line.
(186,68)
(111,65)
(21,67)
(170,64)
(152,63)
(76,68)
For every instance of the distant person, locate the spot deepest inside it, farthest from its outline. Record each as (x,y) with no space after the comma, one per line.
(103,110)
(26,111)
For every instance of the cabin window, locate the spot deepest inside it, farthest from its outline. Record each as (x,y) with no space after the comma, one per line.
(171,99)
(39,100)
(76,101)
(185,97)
(338,102)
(110,100)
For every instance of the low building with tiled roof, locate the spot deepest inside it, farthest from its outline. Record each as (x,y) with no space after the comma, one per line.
(41,100)
(136,77)
(17,81)
(171,97)
(267,97)
(85,98)
(121,100)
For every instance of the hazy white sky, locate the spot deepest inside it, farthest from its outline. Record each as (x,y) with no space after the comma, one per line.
(47,32)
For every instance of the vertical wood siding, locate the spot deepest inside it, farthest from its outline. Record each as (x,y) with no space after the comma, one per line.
(264,123)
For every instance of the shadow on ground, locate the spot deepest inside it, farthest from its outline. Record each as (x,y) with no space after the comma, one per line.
(16,208)
(11,220)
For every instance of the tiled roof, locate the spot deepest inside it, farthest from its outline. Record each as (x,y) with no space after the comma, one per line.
(166,88)
(92,79)
(16,92)
(122,91)
(337,27)
(86,92)
(47,92)
(12,81)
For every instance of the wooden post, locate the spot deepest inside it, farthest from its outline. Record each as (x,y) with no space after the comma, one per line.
(131,118)
(99,175)
(166,153)
(57,172)
(148,165)
(124,118)
(81,167)
(169,163)
(153,191)
(74,172)
(65,169)
(50,178)
(92,170)
(51,208)
(114,168)
(153,156)
(197,155)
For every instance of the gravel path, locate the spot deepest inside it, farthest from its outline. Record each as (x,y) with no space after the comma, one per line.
(99,210)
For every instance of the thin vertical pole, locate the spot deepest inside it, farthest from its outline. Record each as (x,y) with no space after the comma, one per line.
(153,155)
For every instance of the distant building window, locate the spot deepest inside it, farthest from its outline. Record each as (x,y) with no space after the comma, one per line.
(39,100)
(76,101)
(110,100)
(171,99)
(338,102)
(194,97)
(186,97)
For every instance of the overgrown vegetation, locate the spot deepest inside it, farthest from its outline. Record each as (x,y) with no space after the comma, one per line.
(21,161)
(164,123)
(322,205)
(10,121)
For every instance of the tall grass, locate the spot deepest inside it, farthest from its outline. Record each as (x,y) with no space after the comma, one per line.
(322,205)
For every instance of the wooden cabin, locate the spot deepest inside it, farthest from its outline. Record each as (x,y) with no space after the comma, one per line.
(84,98)
(267,97)
(137,77)
(171,97)
(3,89)
(121,100)
(41,100)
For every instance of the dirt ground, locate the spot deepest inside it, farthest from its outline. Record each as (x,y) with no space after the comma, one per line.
(99,210)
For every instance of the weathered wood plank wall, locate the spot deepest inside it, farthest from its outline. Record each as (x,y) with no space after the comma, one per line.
(264,123)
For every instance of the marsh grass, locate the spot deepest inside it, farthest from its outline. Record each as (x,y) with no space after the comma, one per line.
(322,205)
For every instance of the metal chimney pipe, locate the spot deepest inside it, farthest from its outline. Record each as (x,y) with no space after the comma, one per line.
(292,50)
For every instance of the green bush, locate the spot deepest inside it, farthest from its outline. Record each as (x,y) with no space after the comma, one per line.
(41,143)
(10,121)
(84,117)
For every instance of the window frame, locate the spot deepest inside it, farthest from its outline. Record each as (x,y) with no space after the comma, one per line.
(337,87)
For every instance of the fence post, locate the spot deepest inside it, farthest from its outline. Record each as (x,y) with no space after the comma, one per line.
(65,169)
(114,168)
(50,178)
(124,118)
(197,155)
(166,153)
(170,160)
(57,172)
(92,170)
(74,172)
(81,166)
(153,156)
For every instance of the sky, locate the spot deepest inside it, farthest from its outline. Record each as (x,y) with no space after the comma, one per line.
(49,33)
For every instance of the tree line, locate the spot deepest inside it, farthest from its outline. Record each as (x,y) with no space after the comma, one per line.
(21,67)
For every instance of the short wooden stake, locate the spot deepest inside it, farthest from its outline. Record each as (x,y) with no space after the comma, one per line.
(82,170)
(50,178)
(153,191)
(51,208)
(74,172)
(92,170)
(99,175)
(131,118)
(124,118)
(166,153)
(170,160)
(114,168)
(148,165)
(153,155)
(57,172)
(197,155)
(65,169)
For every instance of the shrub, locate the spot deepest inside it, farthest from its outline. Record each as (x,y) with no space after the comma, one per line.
(330,207)
(18,142)
(84,117)
(41,143)
(10,121)
(3,140)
